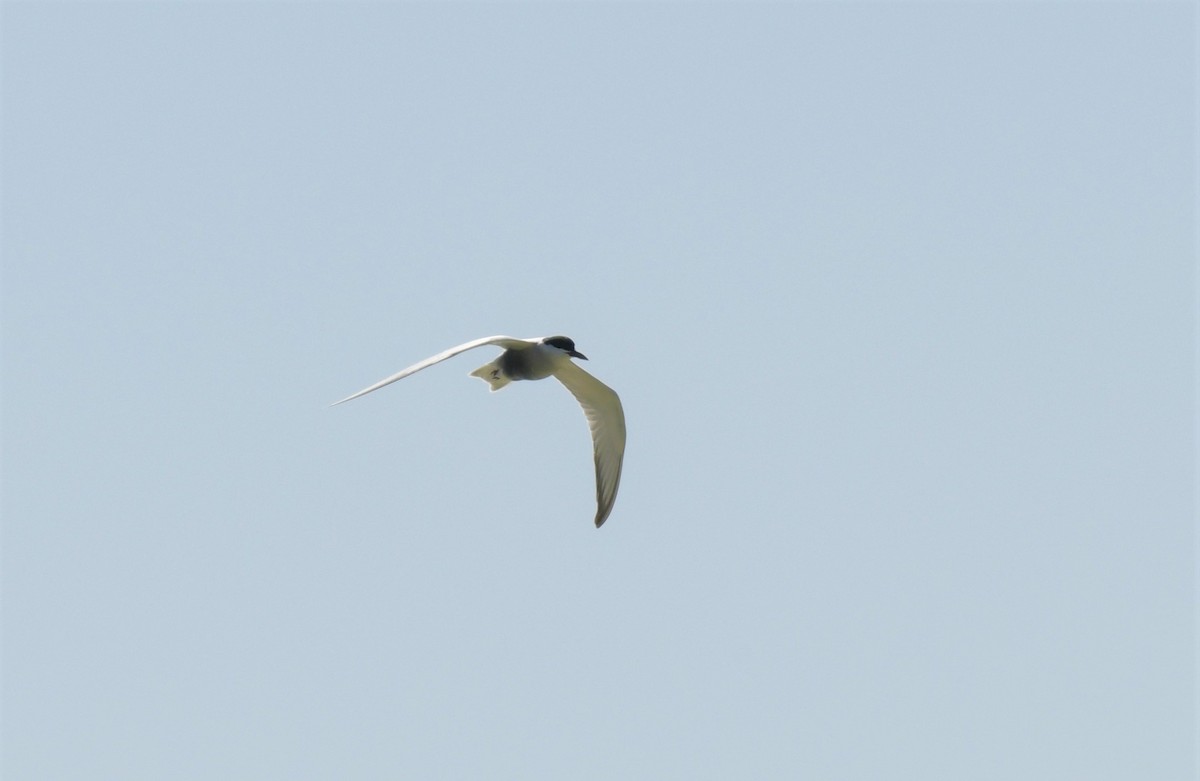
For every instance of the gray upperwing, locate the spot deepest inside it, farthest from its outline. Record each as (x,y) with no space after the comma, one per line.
(507,342)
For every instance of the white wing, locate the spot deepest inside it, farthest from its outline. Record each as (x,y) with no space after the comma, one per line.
(606,419)
(507,342)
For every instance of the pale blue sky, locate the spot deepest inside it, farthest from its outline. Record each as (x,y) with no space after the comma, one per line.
(900,299)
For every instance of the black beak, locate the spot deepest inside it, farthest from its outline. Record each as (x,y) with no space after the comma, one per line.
(577,354)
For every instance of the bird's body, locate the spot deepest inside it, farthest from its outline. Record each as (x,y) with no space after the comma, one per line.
(536,362)
(537,359)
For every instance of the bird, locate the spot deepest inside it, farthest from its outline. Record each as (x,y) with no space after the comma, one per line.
(536,359)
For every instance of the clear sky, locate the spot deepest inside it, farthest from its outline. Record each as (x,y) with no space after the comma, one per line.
(900,299)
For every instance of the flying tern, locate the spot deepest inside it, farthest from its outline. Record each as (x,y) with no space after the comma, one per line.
(537,359)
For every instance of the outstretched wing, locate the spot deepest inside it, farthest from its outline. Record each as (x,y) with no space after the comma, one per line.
(507,342)
(606,419)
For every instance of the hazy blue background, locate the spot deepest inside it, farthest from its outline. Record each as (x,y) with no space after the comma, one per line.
(900,301)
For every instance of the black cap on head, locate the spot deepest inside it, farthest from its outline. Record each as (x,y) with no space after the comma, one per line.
(565,344)
(561,342)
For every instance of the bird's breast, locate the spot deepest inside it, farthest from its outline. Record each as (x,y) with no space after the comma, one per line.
(529,364)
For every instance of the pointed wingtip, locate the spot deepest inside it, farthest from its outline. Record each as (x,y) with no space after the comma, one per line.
(352,397)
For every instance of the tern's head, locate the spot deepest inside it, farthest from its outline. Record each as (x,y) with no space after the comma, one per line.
(564,344)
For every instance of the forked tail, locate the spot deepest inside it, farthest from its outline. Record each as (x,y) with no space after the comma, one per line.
(492,375)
